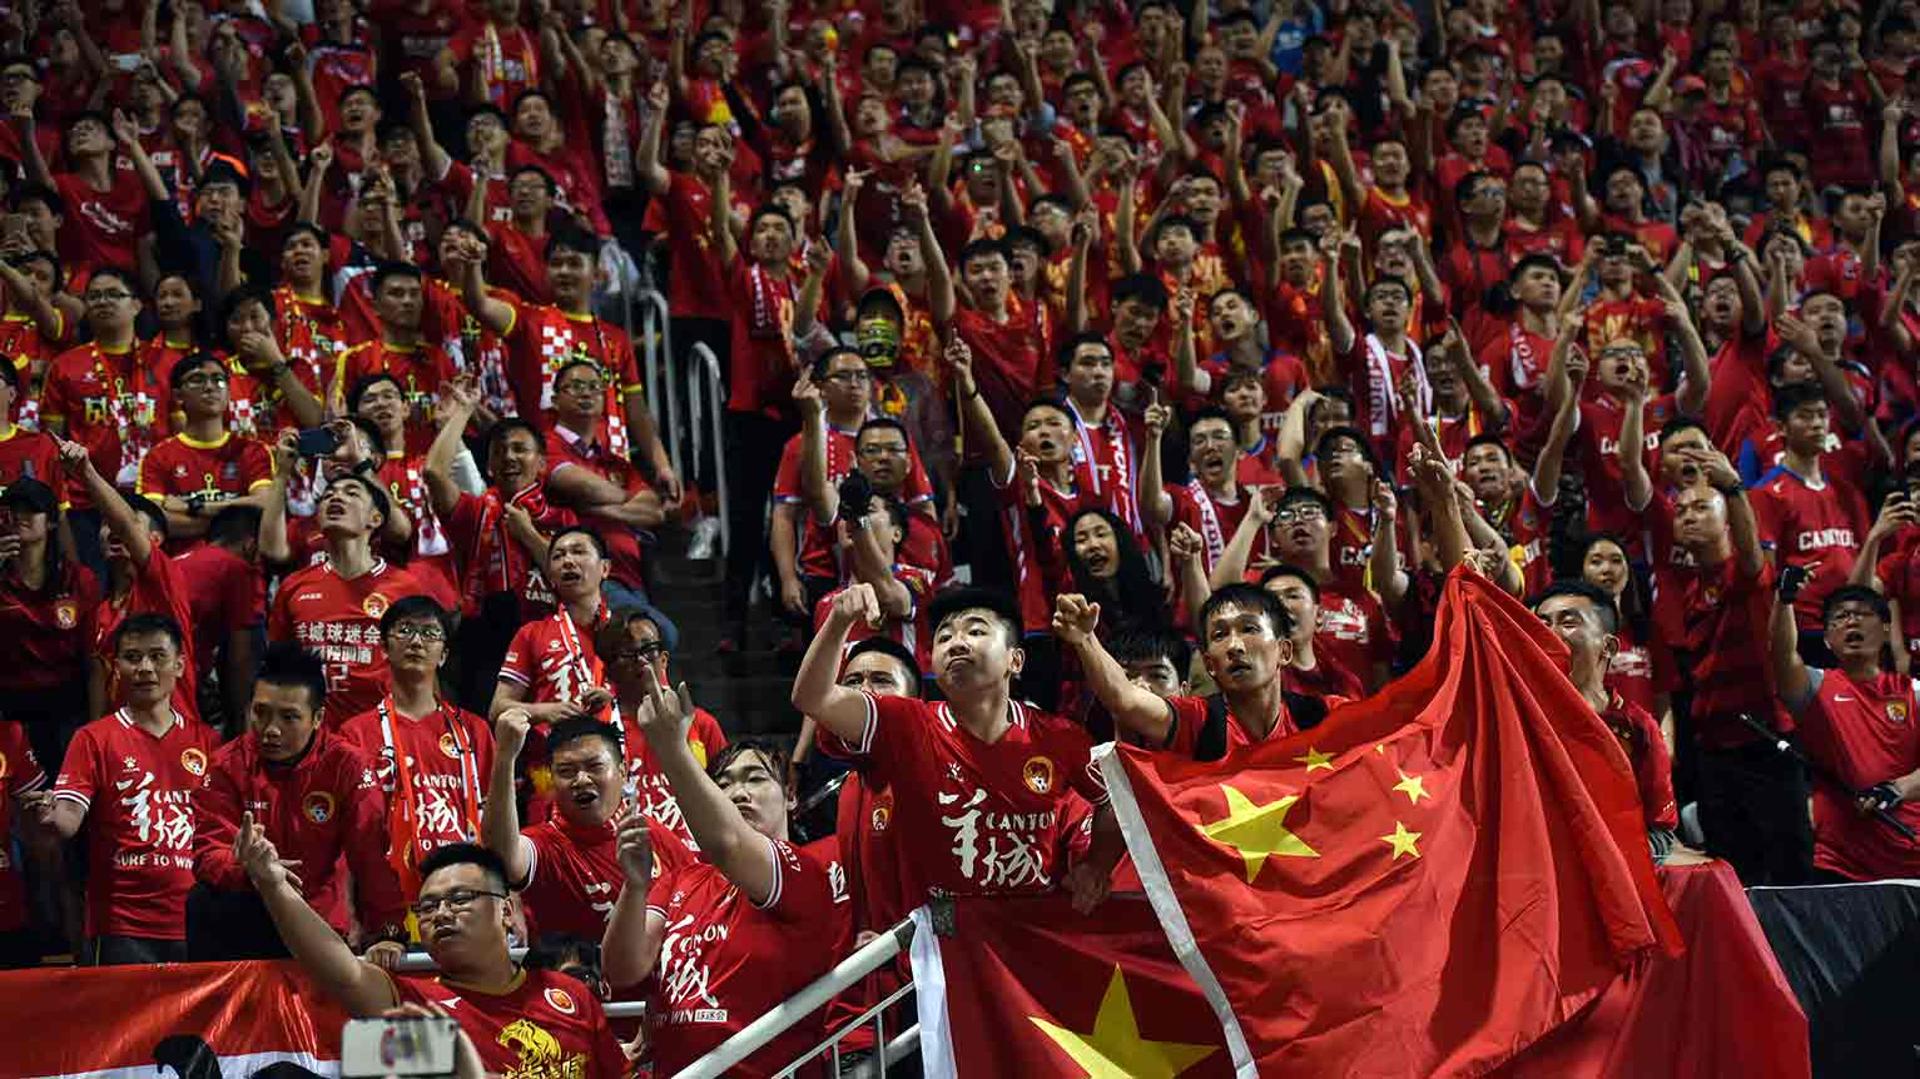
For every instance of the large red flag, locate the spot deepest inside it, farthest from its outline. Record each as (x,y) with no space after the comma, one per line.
(1028,987)
(1423,884)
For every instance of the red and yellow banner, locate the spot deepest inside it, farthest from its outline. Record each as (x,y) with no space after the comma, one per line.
(194,1020)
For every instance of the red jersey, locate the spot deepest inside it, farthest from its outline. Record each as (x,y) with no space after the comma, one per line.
(1602,417)
(1353,633)
(817,554)
(1837,115)
(339,620)
(911,632)
(1325,681)
(1012,364)
(985,819)
(323,810)
(311,333)
(714,974)
(216,471)
(543,338)
(1864,732)
(546,1024)
(419,369)
(1712,623)
(157,589)
(553,660)
(20,773)
(490,560)
(101,228)
(1214,518)
(1380,212)
(501,63)
(432,771)
(39,628)
(1190,717)
(224,593)
(647,785)
(565,449)
(699,285)
(137,790)
(107,403)
(1034,541)
(762,361)
(430,557)
(574,875)
(30,352)
(1809,525)
(1350,547)
(34,456)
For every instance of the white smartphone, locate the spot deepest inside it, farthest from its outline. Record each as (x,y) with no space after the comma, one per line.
(379,1048)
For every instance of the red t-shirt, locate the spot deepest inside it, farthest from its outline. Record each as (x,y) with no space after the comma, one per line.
(1602,417)
(324,812)
(1712,622)
(1805,525)
(762,363)
(1652,764)
(224,593)
(1012,364)
(1864,732)
(553,660)
(20,772)
(430,557)
(102,228)
(32,455)
(1353,633)
(574,875)
(547,1017)
(699,284)
(543,338)
(490,560)
(715,974)
(226,468)
(1216,521)
(110,405)
(420,370)
(984,819)
(647,785)
(1190,717)
(157,589)
(137,790)
(503,62)
(40,630)
(442,760)
(339,620)
(816,554)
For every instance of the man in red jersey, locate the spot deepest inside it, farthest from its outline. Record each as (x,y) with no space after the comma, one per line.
(432,758)
(1585,619)
(130,778)
(141,579)
(427,552)
(106,207)
(334,608)
(698,293)
(566,867)
(418,366)
(20,776)
(227,604)
(723,963)
(1001,774)
(1214,501)
(464,918)
(206,465)
(633,650)
(1811,508)
(1712,620)
(317,799)
(1857,720)
(1305,673)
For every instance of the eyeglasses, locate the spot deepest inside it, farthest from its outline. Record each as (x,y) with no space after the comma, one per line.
(884,449)
(194,382)
(849,378)
(642,652)
(1849,614)
(114,296)
(410,631)
(1300,513)
(455,901)
(584,387)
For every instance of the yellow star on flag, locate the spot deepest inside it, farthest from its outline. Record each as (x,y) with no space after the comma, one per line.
(1413,786)
(1256,831)
(1316,759)
(1115,1049)
(1402,840)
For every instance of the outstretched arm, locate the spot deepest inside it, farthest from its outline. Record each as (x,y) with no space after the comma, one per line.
(1135,708)
(727,842)
(817,691)
(361,988)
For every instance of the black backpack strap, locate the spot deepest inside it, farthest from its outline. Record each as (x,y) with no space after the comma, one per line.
(1210,742)
(1307,712)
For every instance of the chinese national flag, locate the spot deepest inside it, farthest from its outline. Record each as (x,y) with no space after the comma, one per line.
(1028,987)
(1423,884)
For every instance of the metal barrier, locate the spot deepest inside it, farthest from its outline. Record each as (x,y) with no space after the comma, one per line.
(877,953)
(704,374)
(652,328)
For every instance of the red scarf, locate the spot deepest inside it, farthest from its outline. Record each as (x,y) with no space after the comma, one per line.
(403,827)
(495,563)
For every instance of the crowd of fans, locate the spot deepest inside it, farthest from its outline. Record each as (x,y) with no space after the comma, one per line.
(1118,350)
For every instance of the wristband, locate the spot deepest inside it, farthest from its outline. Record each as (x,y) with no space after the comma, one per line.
(1732,490)
(974,394)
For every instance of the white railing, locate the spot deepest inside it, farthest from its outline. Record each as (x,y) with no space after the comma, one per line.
(877,953)
(706,414)
(651,329)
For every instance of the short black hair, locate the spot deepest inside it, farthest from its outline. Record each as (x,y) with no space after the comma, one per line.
(599,544)
(573,238)
(1142,289)
(287,664)
(145,507)
(893,650)
(507,425)
(375,492)
(1592,593)
(248,293)
(1794,394)
(771,753)
(1141,643)
(414,609)
(1307,494)
(1247,597)
(366,382)
(568,731)
(390,269)
(1357,436)
(144,624)
(234,522)
(451,854)
(1856,593)
(1286,569)
(1680,424)
(188,364)
(976,598)
(981,248)
(1487,438)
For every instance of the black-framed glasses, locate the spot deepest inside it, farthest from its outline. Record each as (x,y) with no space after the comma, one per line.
(455,901)
(1300,513)
(414,631)
(212,378)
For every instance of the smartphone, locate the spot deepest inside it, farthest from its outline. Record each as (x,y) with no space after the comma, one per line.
(377,1048)
(317,442)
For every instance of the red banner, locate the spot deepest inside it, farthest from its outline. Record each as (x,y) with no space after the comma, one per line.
(201,1020)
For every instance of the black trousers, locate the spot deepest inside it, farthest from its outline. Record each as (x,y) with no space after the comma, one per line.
(51,718)
(984,539)
(482,643)
(113,950)
(1753,809)
(754,445)
(224,925)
